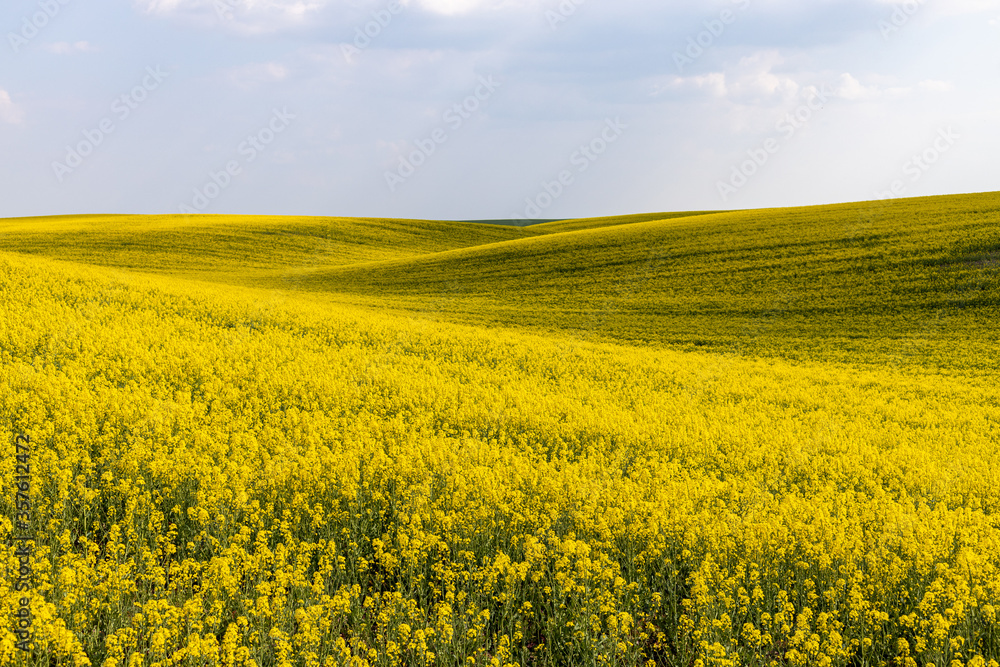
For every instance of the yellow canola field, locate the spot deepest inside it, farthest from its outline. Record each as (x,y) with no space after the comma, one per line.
(230,476)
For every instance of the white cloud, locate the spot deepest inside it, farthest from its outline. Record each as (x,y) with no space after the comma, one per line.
(269,16)
(453,7)
(294,7)
(959,7)
(244,16)
(9,112)
(713,83)
(450,7)
(851,89)
(935,86)
(754,79)
(67,48)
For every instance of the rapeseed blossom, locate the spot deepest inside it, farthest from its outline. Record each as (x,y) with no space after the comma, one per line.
(318,485)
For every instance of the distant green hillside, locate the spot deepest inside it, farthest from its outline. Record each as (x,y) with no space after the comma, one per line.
(234,245)
(511,222)
(612,221)
(896,280)
(903,280)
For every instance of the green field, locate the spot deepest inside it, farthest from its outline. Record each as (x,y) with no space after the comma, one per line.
(898,281)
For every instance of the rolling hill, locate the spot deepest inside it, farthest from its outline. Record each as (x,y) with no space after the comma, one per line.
(735,438)
(904,279)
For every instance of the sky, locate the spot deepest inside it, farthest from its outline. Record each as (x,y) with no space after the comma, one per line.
(487,109)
